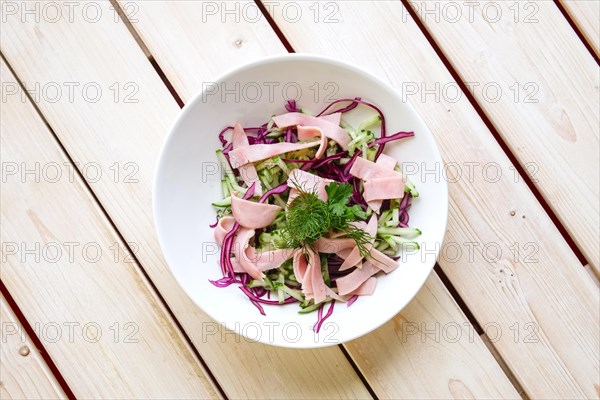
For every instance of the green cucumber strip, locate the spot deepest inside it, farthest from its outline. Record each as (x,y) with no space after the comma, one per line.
(411,188)
(405,232)
(370,122)
(223,203)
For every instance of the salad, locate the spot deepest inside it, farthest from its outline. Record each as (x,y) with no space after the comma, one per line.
(313,210)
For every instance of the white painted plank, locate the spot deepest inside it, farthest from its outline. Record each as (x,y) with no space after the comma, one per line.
(540,87)
(96,315)
(586,15)
(106,132)
(23,372)
(430,351)
(540,300)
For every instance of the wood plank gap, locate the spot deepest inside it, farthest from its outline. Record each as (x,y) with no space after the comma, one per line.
(511,377)
(166,81)
(128,248)
(138,39)
(486,120)
(36,341)
(286,43)
(358,372)
(459,301)
(578,31)
(123,16)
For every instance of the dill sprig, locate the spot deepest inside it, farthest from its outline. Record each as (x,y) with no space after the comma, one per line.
(308,218)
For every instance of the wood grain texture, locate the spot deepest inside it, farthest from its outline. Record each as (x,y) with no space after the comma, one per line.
(430,351)
(548,106)
(23,372)
(586,15)
(96,314)
(183,60)
(106,132)
(539,300)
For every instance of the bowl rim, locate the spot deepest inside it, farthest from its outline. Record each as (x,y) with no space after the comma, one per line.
(254,64)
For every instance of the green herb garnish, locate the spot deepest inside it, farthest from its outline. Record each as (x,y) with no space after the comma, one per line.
(308,218)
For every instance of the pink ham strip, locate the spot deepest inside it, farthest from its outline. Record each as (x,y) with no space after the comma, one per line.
(248,171)
(384,188)
(345,253)
(331,130)
(265,260)
(367,288)
(250,214)
(383,262)
(346,284)
(386,162)
(240,245)
(307,182)
(300,265)
(377,262)
(351,259)
(259,152)
(223,227)
(308,273)
(366,170)
(354,257)
(334,118)
(333,246)
(309,132)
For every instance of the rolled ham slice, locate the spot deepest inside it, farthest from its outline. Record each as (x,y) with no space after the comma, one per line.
(307,269)
(248,171)
(332,130)
(250,214)
(309,132)
(223,227)
(259,152)
(240,245)
(261,261)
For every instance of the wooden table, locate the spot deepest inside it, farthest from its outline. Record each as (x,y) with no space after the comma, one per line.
(510,91)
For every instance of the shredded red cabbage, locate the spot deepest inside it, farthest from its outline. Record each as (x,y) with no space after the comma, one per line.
(349,107)
(395,136)
(321,318)
(291,106)
(215,224)
(276,190)
(351,300)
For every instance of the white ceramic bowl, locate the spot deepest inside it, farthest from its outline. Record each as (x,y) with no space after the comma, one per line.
(188,179)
